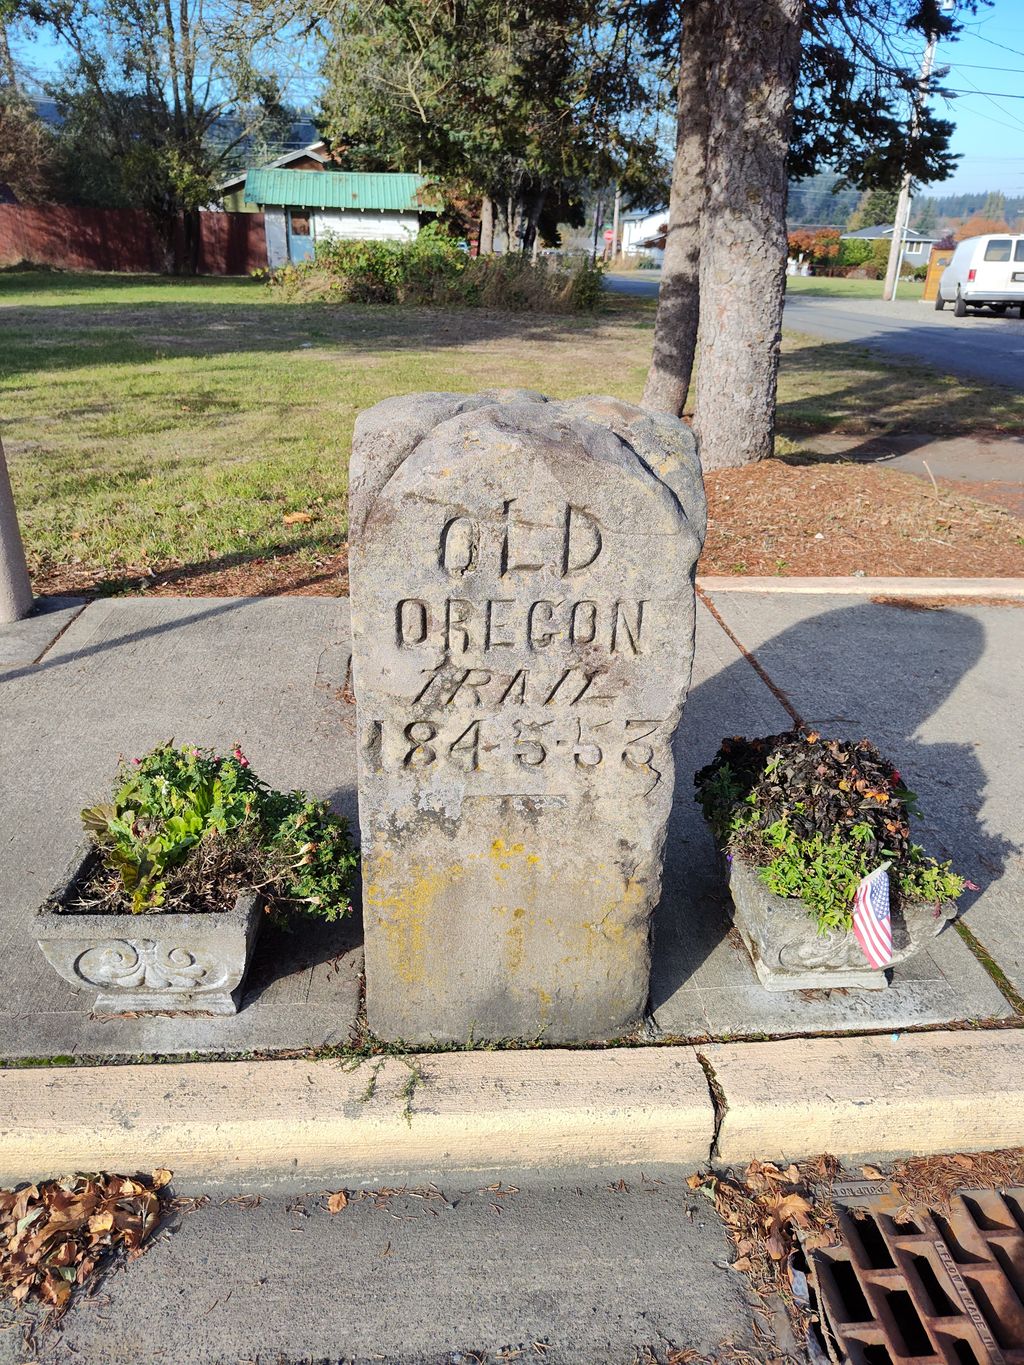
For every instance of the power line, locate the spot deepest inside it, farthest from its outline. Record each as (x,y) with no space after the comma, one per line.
(996,106)
(992,43)
(978,66)
(999,94)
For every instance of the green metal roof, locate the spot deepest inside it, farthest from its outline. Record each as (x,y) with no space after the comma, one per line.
(337,190)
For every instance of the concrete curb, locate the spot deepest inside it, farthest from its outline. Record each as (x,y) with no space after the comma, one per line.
(301,1125)
(869,587)
(881,1096)
(298,1124)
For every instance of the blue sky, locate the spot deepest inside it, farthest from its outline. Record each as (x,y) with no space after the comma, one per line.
(988,57)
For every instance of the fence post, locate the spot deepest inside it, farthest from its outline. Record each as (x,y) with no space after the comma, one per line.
(15,585)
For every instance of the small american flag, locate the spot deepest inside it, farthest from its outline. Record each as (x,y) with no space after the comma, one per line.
(871,923)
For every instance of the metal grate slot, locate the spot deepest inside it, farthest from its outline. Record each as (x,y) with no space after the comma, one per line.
(941,1304)
(920,1289)
(964,1354)
(908,1324)
(855,1306)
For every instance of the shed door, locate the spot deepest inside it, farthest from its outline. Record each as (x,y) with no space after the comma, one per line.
(300,235)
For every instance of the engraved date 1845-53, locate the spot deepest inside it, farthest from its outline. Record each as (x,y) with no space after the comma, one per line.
(484,745)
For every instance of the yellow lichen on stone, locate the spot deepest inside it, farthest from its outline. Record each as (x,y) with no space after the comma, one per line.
(402,908)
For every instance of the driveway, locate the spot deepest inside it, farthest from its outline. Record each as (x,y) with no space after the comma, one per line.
(979,346)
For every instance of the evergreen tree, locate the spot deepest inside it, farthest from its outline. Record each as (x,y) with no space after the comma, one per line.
(876,208)
(525,103)
(924,218)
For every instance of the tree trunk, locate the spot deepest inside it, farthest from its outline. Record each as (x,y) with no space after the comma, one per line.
(598,220)
(190,228)
(7,71)
(486,247)
(743,237)
(531,237)
(675,325)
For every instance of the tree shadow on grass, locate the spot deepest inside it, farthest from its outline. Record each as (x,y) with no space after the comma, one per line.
(916,392)
(88,334)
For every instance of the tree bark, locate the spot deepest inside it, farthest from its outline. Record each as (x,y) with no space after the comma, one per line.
(743,237)
(7,71)
(531,236)
(675,325)
(486,247)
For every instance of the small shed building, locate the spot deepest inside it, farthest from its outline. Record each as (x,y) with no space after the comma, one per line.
(303,207)
(313,157)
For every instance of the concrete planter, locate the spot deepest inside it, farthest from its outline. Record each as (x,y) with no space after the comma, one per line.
(790,955)
(149,963)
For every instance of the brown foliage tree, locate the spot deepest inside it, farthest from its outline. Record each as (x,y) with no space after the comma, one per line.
(977,225)
(26,148)
(821,247)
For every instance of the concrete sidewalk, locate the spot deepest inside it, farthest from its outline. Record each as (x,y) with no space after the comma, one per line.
(574,1271)
(940,691)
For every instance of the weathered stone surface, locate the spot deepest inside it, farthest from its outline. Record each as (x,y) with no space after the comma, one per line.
(523,618)
(790,955)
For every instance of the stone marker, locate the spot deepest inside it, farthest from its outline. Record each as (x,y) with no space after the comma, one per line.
(523,621)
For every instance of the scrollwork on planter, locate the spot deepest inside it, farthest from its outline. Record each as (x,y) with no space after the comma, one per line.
(130,963)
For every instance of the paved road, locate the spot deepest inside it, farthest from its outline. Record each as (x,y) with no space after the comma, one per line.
(595,1274)
(980,346)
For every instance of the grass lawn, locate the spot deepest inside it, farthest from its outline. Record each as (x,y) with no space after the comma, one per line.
(152,423)
(851,289)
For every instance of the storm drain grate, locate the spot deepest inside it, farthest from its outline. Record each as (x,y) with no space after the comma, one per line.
(915,1286)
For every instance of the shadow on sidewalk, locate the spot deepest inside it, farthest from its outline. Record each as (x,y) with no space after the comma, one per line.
(865,670)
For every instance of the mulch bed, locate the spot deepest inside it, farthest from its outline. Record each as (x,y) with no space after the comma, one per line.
(847,519)
(773,518)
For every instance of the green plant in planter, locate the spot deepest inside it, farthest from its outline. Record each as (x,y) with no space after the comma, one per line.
(816,816)
(187,829)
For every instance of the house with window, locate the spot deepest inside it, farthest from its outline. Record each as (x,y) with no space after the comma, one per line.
(301,208)
(643,234)
(916,245)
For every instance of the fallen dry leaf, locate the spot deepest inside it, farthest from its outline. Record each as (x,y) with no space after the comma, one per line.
(297,518)
(161,1178)
(337,1202)
(872,1173)
(55,1234)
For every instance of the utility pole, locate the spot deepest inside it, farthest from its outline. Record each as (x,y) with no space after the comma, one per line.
(899,227)
(615,223)
(15,585)
(598,220)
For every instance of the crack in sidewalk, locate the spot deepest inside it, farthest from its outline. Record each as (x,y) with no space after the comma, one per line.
(754,662)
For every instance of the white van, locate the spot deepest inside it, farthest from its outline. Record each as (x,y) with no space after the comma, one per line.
(984,272)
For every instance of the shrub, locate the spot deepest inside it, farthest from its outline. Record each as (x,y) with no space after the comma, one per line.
(187,830)
(816,816)
(880,256)
(431,269)
(854,251)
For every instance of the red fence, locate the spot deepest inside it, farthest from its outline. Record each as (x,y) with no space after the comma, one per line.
(72,238)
